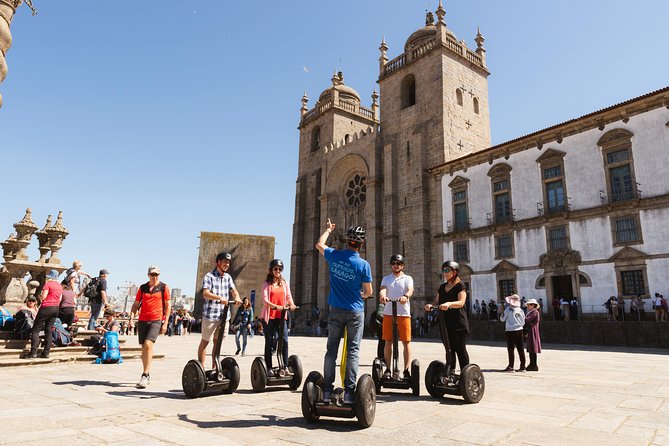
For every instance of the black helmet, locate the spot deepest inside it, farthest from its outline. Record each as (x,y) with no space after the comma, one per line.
(276,262)
(397,258)
(223,256)
(356,234)
(453,265)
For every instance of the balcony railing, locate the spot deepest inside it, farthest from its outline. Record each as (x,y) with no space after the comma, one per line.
(620,197)
(457,226)
(499,219)
(548,211)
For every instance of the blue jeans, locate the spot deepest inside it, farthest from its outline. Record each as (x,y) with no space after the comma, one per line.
(243,331)
(354,323)
(95,313)
(271,333)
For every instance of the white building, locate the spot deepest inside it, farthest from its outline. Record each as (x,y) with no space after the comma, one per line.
(578,209)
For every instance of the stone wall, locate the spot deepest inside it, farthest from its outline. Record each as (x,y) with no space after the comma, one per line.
(251,255)
(645,334)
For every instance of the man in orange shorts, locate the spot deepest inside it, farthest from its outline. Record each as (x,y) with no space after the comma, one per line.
(397,287)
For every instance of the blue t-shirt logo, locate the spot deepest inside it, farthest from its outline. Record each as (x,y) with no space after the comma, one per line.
(348,271)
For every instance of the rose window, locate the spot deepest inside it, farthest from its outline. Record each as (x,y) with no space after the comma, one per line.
(356,191)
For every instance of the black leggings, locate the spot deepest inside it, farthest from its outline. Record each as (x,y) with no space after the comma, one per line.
(458,342)
(46,316)
(515,339)
(66,316)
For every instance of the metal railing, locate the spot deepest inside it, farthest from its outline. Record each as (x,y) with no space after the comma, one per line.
(620,197)
(494,219)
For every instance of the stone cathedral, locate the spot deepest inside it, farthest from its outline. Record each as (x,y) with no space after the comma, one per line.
(358,166)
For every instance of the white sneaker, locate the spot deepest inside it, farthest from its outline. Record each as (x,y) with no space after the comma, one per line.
(143,382)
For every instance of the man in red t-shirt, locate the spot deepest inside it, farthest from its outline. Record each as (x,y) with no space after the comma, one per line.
(153,304)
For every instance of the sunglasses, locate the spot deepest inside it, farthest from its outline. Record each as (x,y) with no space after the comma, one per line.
(276,268)
(396,263)
(154,274)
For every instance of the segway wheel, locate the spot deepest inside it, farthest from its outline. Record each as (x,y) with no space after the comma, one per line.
(365,401)
(472,383)
(415,377)
(258,375)
(231,372)
(295,367)
(376,374)
(193,379)
(433,377)
(311,393)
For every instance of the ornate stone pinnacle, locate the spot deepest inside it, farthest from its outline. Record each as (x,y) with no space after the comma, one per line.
(429,18)
(43,239)
(57,234)
(25,228)
(383,48)
(479,38)
(441,12)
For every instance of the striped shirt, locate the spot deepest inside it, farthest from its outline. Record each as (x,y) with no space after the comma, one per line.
(220,285)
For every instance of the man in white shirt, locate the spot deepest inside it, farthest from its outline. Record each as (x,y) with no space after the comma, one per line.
(397,287)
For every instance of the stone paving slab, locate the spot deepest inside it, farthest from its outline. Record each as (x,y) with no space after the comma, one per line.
(581,395)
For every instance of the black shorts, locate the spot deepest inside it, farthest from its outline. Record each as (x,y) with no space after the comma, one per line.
(148,330)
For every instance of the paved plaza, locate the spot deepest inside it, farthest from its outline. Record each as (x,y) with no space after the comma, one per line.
(581,395)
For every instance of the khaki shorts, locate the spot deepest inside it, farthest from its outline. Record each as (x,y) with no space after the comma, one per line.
(403,328)
(210,329)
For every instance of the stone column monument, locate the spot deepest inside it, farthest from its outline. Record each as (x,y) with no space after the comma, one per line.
(7,10)
(16,266)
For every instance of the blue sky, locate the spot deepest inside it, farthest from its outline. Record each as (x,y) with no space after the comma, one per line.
(148,122)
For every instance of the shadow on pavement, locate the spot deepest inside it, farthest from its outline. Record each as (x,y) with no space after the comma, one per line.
(89,382)
(331,424)
(145,395)
(389,397)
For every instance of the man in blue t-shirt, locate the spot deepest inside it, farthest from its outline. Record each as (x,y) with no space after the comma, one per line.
(350,283)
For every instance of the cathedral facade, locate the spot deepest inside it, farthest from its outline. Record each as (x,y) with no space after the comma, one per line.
(358,168)
(577,210)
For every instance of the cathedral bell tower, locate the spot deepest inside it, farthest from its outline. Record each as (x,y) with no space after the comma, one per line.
(335,172)
(434,107)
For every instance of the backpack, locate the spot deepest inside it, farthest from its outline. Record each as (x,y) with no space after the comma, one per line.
(91,291)
(110,349)
(6,319)
(23,324)
(59,334)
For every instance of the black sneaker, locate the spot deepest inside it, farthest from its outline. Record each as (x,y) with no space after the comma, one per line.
(407,375)
(509,369)
(387,374)
(237,352)
(521,369)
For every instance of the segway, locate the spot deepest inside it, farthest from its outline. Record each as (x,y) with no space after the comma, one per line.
(396,381)
(363,408)
(292,375)
(441,379)
(224,378)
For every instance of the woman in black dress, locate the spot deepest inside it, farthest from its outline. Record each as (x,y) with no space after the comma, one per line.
(450,299)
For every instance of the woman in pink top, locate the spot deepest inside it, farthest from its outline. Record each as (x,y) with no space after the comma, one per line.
(47,314)
(276,296)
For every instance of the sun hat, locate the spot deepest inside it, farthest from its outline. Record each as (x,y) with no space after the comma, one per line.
(532,301)
(513,300)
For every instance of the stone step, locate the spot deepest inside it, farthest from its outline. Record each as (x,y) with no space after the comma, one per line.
(22,343)
(63,351)
(13,362)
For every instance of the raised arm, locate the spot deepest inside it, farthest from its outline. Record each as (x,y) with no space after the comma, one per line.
(320,245)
